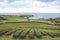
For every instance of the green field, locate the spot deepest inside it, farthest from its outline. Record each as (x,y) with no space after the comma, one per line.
(6,38)
(19,28)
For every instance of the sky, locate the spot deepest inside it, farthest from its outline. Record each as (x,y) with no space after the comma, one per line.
(36,6)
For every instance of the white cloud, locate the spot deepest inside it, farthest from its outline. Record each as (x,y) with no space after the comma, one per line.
(42,10)
(30,6)
(4,4)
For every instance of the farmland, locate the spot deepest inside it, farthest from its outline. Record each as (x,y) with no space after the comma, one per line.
(19,28)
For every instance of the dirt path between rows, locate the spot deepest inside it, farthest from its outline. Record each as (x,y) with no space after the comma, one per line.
(27,36)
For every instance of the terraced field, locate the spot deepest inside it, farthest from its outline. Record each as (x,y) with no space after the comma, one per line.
(29,30)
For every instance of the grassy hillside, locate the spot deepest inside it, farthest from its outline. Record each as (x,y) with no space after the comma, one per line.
(13,18)
(19,19)
(16,27)
(32,29)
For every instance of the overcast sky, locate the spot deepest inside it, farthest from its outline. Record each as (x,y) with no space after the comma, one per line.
(38,6)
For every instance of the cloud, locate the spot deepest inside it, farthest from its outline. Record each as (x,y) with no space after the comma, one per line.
(47,0)
(37,10)
(51,6)
(30,0)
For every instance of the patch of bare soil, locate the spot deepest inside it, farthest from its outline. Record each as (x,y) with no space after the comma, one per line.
(27,36)
(56,36)
(46,36)
(4,35)
(35,36)
(11,36)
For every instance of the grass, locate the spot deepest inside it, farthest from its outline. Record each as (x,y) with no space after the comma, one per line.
(44,21)
(13,18)
(19,19)
(16,28)
(27,28)
(5,38)
(48,39)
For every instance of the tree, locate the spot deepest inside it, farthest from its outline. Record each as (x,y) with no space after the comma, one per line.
(51,19)
(57,20)
(27,16)
(2,18)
